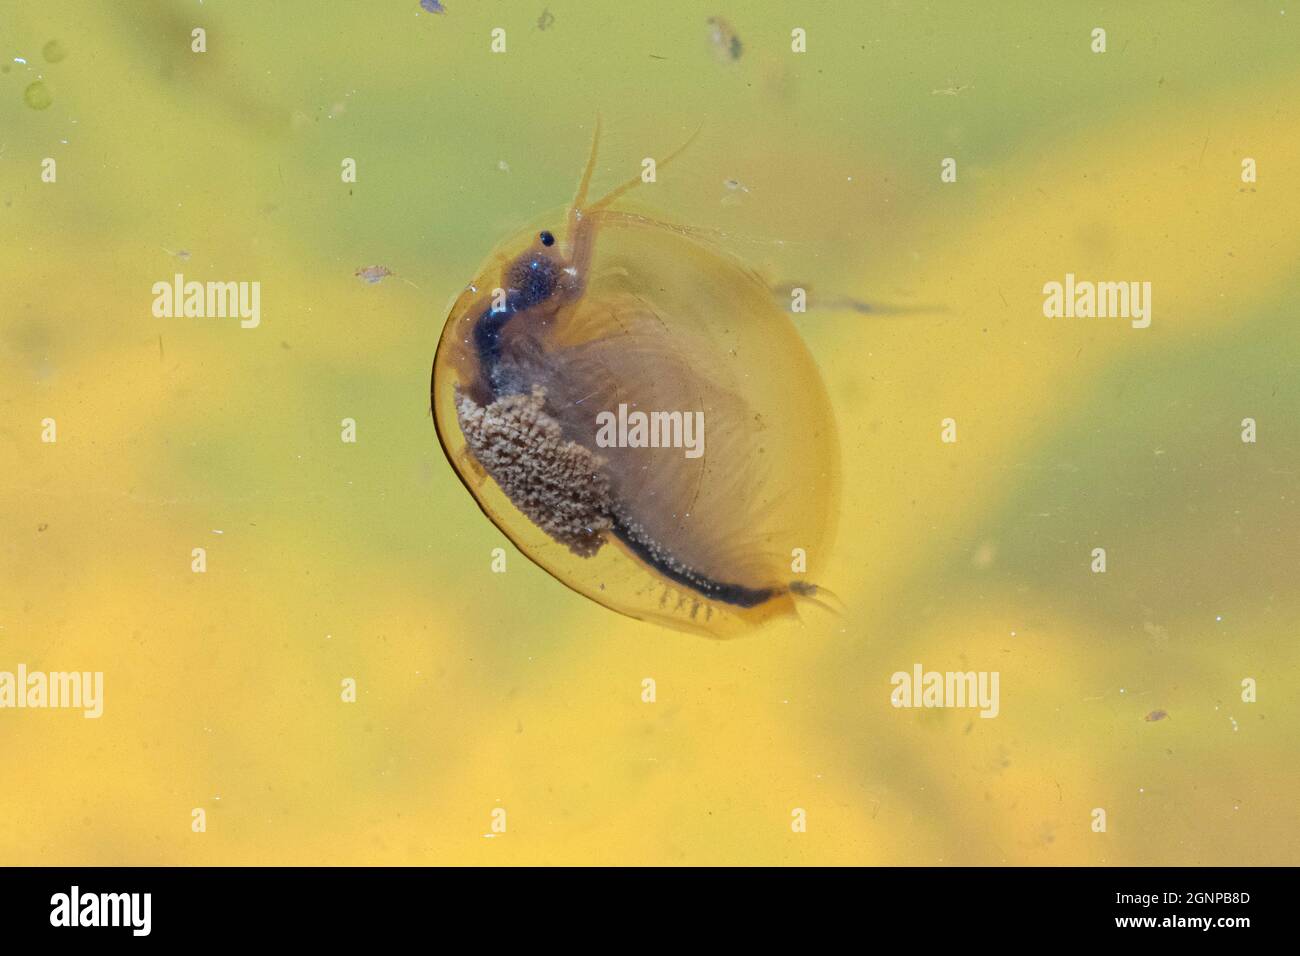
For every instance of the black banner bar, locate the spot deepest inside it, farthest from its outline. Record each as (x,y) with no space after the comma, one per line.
(304,905)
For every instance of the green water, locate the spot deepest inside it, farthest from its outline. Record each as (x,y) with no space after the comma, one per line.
(329,560)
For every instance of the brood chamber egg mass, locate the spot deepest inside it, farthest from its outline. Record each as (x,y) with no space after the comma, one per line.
(630,407)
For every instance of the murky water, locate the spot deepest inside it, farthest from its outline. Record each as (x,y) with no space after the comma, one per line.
(328,560)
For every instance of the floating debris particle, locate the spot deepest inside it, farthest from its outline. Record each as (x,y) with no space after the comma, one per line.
(373,274)
(736,190)
(181,254)
(42,526)
(37,96)
(503,166)
(1156,715)
(545,20)
(726,45)
(53,51)
(432,6)
(952,90)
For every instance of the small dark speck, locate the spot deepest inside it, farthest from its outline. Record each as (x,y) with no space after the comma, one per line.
(42,526)
(1156,715)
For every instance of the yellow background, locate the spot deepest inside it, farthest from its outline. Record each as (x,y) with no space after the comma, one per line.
(479,690)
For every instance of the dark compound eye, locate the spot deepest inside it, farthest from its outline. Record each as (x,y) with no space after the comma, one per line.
(547,239)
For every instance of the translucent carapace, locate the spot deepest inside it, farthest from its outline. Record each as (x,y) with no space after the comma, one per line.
(630,407)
